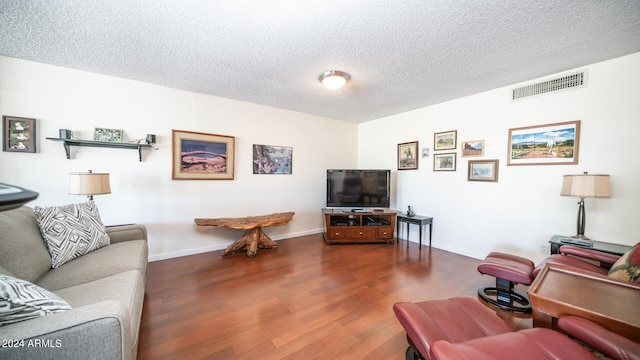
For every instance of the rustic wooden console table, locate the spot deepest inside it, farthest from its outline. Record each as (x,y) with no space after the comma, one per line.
(253,237)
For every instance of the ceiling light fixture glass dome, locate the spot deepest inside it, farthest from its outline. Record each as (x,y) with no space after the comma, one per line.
(333,79)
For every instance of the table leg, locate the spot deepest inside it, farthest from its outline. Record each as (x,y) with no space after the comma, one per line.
(430,229)
(420,238)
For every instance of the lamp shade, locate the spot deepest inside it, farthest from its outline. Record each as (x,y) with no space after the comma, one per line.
(586,185)
(89,183)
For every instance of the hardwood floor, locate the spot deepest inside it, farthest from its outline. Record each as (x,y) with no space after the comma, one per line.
(304,300)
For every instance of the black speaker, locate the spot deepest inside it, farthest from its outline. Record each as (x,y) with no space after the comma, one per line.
(151,139)
(65,134)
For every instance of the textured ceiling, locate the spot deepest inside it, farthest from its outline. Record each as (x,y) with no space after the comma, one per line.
(401,54)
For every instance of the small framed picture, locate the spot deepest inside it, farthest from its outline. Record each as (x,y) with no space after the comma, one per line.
(108,135)
(269,159)
(472,148)
(408,156)
(483,170)
(444,162)
(18,134)
(202,156)
(445,140)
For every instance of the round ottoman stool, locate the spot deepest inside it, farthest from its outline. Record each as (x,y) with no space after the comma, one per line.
(508,270)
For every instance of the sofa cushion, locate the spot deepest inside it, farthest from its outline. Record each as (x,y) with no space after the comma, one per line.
(106,261)
(21,300)
(627,268)
(23,253)
(71,231)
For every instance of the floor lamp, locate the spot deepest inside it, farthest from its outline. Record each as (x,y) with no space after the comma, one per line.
(582,186)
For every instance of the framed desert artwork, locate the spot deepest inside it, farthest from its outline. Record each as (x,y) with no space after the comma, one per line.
(472,148)
(549,144)
(202,156)
(483,170)
(408,156)
(18,134)
(445,140)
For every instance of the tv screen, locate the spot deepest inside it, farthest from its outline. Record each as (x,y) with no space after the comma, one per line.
(358,188)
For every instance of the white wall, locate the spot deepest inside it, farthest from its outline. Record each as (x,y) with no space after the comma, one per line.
(523,210)
(143,192)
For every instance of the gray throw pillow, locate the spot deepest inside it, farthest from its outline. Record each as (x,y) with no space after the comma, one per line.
(71,231)
(21,300)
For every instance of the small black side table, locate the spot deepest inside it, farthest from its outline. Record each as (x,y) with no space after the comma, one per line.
(559,240)
(418,220)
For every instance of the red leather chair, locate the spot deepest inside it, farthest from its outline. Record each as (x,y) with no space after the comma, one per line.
(462,328)
(567,257)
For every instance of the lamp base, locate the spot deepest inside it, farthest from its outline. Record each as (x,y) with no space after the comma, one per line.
(577,241)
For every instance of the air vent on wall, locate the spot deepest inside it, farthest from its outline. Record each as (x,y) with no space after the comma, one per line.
(571,81)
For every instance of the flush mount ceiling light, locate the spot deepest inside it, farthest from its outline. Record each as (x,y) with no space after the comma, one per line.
(334,80)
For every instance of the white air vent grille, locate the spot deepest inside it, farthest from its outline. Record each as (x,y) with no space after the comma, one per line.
(571,81)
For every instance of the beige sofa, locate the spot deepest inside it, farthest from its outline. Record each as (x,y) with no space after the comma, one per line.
(105,289)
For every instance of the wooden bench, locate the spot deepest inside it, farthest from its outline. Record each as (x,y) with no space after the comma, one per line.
(253,238)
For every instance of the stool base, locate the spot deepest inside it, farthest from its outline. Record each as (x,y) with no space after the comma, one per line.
(503,296)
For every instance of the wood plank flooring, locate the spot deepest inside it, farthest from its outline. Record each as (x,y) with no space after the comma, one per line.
(304,300)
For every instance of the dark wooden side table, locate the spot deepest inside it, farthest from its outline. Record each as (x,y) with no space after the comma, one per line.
(559,240)
(417,220)
(613,304)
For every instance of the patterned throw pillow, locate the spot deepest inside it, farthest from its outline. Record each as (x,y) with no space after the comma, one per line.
(627,268)
(21,300)
(71,231)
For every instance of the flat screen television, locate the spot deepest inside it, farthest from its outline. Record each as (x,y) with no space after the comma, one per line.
(352,188)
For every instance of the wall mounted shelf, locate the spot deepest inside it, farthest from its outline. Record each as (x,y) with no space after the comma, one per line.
(73,142)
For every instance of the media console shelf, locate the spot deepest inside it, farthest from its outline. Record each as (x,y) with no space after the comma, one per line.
(73,142)
(344,226)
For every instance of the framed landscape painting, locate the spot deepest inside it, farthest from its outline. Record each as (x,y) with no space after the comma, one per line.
(18,134)
(483,170)
(550,144)
(445,140)
(472,148)
(202,156)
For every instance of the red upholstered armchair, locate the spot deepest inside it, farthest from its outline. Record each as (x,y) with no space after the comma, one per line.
(623,268)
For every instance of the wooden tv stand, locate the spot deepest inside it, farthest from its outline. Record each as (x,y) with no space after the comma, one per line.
(345,226)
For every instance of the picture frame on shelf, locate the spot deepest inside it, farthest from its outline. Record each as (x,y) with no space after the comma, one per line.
(408,155)
(444,162)
(108,135)
(548,144)
(269,159)
(483,170)
(202,156)
(18,134)
(472,148)
(446,140)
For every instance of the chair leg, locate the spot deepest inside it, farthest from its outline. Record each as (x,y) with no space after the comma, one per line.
(504,297)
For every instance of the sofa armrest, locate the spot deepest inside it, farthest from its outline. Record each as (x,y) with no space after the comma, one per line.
(610,344)
(88,332)
(594,255)
(120,233)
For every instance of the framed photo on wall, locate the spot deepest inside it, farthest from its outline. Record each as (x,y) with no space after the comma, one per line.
(269,159)
(483,170)
(444,162)
(445,140)
(18,134)
(108,135)
(549,144)
(408,156)
(472,148)
(202,156)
